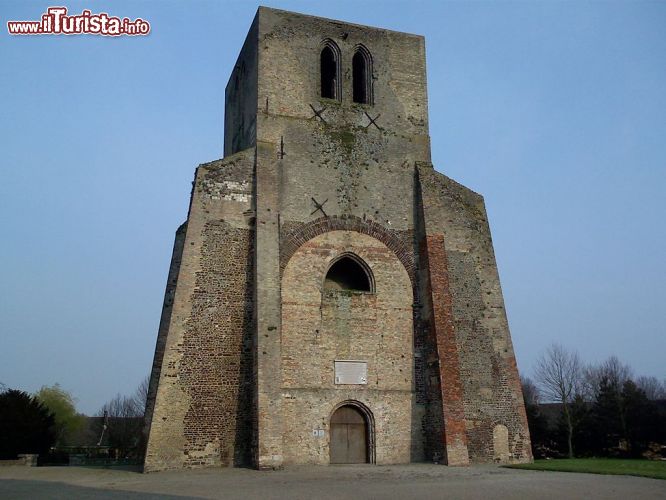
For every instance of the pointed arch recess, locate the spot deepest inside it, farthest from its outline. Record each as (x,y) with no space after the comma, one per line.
(367,285)
(362,75)
(399,242)
(330,70)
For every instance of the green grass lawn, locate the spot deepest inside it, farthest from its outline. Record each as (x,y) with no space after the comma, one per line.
(643,468)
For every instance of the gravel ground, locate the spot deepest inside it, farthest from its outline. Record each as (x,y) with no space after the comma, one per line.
(308,482)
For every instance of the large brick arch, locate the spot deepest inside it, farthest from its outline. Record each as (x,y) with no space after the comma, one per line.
(399,241)
(319,326)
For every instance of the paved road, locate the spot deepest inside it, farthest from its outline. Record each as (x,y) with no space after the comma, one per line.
(310,482)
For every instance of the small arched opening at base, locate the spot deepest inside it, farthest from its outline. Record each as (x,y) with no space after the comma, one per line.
(501,451)
(349,272)
(351,434)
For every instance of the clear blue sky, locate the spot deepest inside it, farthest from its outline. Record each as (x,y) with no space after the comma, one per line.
(555,112)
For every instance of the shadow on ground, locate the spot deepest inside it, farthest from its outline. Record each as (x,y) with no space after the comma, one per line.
(21,489)
(413,481)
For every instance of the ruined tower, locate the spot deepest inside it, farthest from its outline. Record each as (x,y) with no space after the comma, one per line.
(331,297)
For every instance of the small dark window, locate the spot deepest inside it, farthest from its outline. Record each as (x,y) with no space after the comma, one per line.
(347,274)
(329,73)
(362,76)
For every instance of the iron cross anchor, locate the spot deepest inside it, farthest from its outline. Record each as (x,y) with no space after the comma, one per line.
(372,120)
(317,113)
(319,207)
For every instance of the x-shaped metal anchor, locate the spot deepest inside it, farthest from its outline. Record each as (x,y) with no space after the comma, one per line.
(319,207)
(372,120)
(317,114)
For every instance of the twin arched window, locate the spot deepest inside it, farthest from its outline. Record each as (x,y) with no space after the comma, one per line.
(361,73)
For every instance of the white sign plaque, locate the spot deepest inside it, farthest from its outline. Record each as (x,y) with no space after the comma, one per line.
(351,372)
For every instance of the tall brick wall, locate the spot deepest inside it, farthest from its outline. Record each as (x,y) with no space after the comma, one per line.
(201,387)
(240,97)
(319,327)
(448,353)
(165,320)
(342,154)
(339,156)
(426,358)
(491,390)
(217,362)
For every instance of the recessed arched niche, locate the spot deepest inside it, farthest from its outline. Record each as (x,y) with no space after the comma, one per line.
(349,273)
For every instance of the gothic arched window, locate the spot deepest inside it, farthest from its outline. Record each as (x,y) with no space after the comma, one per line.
(329,65)
(362,75)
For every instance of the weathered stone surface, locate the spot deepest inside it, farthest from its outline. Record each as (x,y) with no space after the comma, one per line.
(249,336)
(320,327)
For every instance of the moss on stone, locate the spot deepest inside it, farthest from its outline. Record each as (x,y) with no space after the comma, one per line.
(346,137)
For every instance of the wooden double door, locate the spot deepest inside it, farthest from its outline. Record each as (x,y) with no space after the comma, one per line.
(349,436)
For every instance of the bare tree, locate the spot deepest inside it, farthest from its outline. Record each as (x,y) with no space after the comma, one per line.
(123,419)
(652,388)
(121,424)
(613,371)
(141,396)
(559,375)
(530,391)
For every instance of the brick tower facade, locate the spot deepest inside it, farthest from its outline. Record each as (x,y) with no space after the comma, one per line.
(331,297)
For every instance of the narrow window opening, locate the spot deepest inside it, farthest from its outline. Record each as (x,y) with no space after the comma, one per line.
(347,274)
(362,76)
(358,68)
(329,70)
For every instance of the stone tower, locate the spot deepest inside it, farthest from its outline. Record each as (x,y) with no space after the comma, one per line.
(331,297)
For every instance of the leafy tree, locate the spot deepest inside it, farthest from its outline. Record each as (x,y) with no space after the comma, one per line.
(559,375)
(624,418)
(61,404)
(26,425)
(606,414)
(640,418)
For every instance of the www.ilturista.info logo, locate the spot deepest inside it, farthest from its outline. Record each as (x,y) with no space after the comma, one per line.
(56,22)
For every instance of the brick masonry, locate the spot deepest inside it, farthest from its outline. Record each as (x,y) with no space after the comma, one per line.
(319,327)
(294,235)
(448,353)
(243,372)
(217,362)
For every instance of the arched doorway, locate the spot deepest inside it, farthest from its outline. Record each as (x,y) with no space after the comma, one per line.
(349,436)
